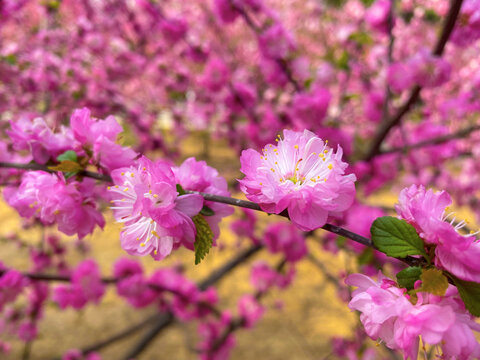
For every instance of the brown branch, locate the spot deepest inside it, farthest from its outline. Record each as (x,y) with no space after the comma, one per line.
(435,141)
(415,94)
(37,167)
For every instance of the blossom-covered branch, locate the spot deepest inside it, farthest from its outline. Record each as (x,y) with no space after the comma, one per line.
(385,128)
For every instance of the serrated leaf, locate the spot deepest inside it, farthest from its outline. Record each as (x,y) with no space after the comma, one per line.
(470,294)
(67,166)
(433,282)
(206,211)
(396,238)
(203,239)
(68,155)
(180,190)
(407,277)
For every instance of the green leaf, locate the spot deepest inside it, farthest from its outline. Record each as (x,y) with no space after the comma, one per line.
(433,282)
(180,190)
(10,59)
(366,257)
(206,211)
(68,155)
(361,38)
(407,277)
(396,238)
(367,3)
(203,239)
(470,294)
(335,3)
(431,16)
(341,241)
(407,16)
(342,61)
(67,166)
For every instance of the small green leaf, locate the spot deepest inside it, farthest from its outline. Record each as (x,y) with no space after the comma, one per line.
(206,211)
(342,61)
(433,282)
(396,237)
(341,241)
(180,190)
(361,38)
(407,277)
(10,59)
(470,294)
(431,16)
(68,155)
(67,166)
(367,3)
(203,239)
(365,257)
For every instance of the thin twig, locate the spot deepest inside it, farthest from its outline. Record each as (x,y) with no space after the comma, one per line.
(435,141)
(36,167)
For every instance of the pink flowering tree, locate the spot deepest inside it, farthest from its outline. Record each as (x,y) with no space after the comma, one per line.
(325,104)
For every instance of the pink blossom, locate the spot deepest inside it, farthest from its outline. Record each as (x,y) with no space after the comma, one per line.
(286,238)
(301,174)
(210,332)
(215,75)
(245,225)
(262,276)
(12,284)
(467,28)
(49,198)
(241,97)
(75,354)
(429,70)
(173,29)
(399,77)
(198,176)
(39,139)
(373,106)
(27,331)
(225,10)
(131,283)
(377,15)
(275,42)
(387,314)
(250,310)
(309,109)
(425,210)
(101,136)
(86,285)
(156,220)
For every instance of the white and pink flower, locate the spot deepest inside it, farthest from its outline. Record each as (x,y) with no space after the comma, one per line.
(301,174)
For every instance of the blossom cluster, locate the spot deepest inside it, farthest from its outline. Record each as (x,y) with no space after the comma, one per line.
(388,313)
(157,218)
(427,211)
